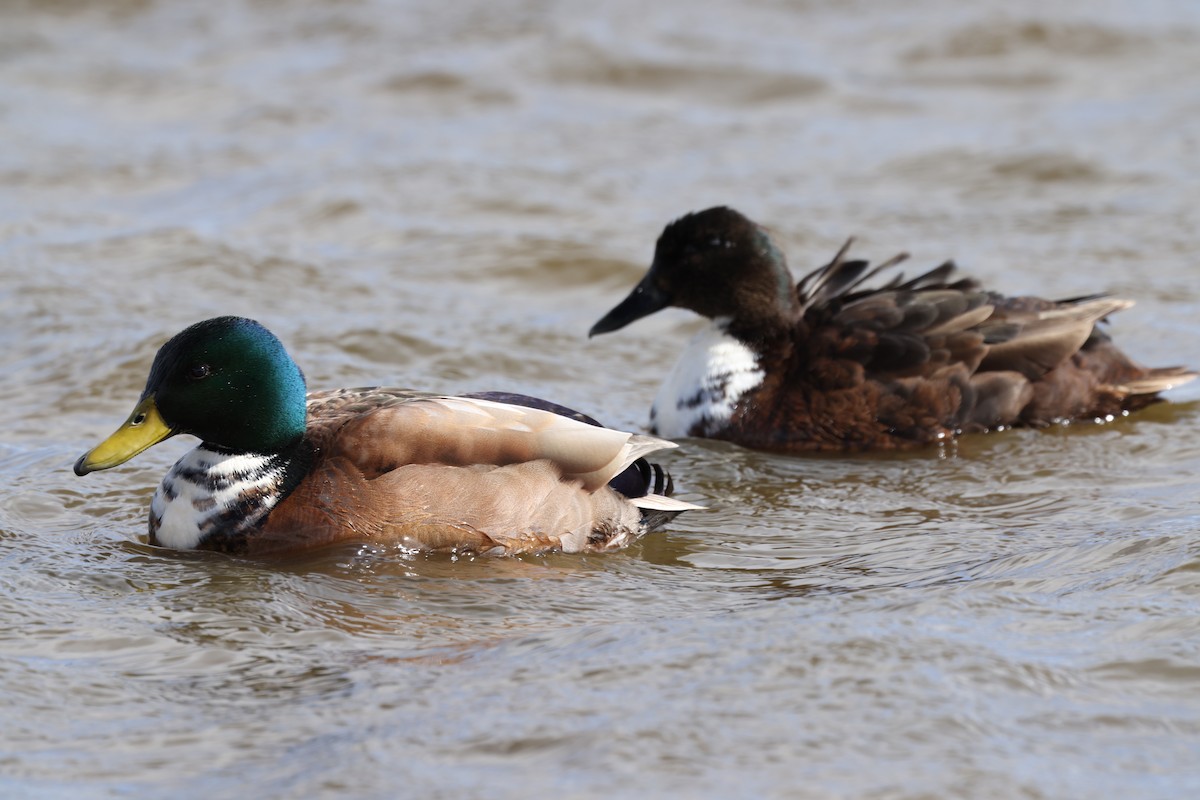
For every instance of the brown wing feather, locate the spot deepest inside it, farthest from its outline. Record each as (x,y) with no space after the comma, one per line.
(458,431)
(918,360)
(1044,339)
(448,473)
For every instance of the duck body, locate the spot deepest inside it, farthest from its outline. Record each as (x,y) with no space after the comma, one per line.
(487,473)
(826,364)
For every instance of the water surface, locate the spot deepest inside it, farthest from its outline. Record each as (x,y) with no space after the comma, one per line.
(446,196)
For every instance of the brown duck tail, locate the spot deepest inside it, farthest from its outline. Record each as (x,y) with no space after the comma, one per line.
(1156,380)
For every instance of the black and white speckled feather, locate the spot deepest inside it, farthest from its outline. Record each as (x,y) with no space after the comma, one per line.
(706,384)
(208,491)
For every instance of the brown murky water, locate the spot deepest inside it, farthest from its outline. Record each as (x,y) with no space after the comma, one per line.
(446,196)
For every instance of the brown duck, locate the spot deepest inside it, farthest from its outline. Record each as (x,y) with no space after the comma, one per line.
(278,471)
(828,364)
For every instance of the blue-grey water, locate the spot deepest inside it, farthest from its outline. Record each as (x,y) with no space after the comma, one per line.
(446,196)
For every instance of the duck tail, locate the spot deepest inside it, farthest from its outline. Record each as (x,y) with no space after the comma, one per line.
(650,487)
(1157,380)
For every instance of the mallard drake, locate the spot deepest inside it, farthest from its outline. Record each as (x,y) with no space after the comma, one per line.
(827,364)
(280,471)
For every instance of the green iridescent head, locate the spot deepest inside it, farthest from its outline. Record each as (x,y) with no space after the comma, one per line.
(227,380)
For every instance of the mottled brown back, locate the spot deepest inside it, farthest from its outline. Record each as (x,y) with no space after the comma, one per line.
(917,361)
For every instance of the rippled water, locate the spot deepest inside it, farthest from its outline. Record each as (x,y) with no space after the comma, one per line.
(446,196)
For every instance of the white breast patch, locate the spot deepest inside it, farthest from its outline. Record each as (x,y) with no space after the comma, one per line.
(202,486)
(703,388)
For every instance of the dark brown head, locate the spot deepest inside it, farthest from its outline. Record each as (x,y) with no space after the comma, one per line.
(717,263)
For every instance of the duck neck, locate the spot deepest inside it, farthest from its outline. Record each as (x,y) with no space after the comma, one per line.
(764,311)
(763,333)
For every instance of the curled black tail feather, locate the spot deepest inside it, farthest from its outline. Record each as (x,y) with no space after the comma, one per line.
(643,477)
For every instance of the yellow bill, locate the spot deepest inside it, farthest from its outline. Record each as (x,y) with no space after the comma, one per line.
(144,428)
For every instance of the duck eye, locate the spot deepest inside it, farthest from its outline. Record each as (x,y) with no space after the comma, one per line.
(199,372)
